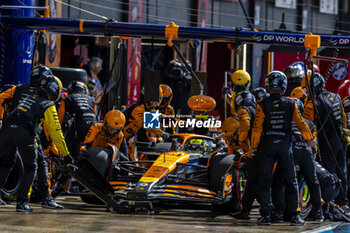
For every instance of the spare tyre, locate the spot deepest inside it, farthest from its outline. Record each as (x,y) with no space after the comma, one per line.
(67,75)
(14,180)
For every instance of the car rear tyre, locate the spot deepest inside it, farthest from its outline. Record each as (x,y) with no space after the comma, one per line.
(14,180)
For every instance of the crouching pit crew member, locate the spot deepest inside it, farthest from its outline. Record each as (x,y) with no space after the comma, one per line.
(110,131)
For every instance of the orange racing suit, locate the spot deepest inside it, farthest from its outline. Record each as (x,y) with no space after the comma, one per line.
(98,136)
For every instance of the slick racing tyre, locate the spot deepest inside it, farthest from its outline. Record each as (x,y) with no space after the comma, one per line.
(67,75)
(14,180)
(220,182)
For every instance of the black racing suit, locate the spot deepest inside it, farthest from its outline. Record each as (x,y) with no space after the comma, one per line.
(42,167)
(274,116)
(330,122)
(81,108)
(305,159)
(19,132)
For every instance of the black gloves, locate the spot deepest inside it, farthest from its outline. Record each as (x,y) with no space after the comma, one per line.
(68,159)
(165,135)
(152,143)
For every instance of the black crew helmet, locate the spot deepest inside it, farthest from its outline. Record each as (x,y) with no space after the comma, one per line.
(245,99)
(260,93)
(319,82)
(50,86)
(77,87)
(276,82)
(38,73)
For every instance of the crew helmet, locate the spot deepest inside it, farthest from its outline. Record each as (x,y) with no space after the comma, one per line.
(38,73)
(77,87)
(260,93)
(240,81)
(167,95)
(276,82)
(51,86)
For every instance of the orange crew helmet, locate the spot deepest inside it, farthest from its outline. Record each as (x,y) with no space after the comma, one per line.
(115,119)
(153,104)
(230,127)
(167,95)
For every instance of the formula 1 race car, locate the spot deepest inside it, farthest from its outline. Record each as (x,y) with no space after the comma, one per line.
(189,170)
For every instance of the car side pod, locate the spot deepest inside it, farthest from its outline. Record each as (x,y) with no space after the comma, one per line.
(89,176)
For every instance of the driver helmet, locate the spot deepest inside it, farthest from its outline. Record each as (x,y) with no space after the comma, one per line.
(196,146)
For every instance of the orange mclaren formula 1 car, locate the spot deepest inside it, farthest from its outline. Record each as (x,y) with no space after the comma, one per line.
(189,170)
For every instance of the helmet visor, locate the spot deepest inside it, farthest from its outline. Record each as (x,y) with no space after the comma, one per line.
(296,72)
(239,87)
(111,130)
(195,148)
(165,102)
(229,136)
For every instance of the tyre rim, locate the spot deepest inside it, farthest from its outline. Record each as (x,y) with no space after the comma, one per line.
(228,182)
(304,195)
(241,183)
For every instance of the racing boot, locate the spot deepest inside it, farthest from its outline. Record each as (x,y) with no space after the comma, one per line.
(276,217)
(23,207)
(244,215)
(264,220)
(296,221)
(315,215)
(49,202)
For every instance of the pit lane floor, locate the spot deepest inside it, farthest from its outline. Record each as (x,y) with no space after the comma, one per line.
(81,217)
